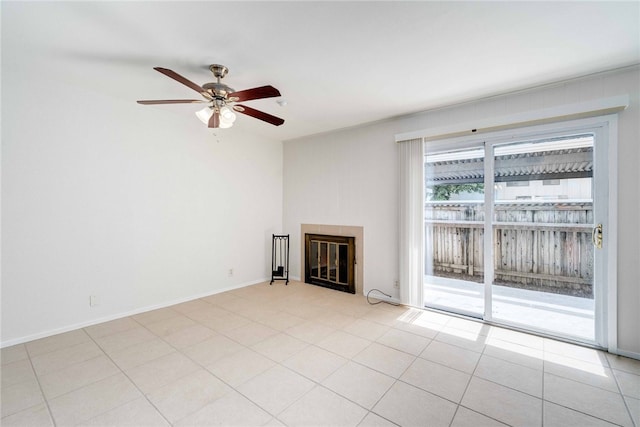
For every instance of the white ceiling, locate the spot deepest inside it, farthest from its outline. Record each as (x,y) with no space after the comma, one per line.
(337,64)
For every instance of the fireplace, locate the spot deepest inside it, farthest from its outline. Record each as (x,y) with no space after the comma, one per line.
(330,261)
(337,230)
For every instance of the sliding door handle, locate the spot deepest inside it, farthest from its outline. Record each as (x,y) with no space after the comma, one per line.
(596,236)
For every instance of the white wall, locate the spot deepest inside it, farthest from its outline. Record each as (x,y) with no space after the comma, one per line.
(138,205)
(347,178)
(350,177)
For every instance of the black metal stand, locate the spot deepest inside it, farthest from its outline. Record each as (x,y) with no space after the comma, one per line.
(280,258)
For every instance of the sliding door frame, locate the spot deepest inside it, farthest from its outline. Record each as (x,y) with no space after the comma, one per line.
(605,211)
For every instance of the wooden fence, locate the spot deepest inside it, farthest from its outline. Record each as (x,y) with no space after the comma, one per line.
(543,246)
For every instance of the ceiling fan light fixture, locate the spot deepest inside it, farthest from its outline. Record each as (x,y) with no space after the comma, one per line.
(204,115)
(225,125)
(227,115)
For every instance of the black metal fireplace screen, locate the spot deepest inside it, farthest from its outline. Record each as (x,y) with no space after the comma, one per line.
(330,261)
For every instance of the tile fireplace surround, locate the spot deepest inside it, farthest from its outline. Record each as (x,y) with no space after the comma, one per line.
(336,230)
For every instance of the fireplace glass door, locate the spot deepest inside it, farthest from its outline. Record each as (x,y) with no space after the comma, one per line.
(330,261)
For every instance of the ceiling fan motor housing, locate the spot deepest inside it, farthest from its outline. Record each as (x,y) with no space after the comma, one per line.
(218,89)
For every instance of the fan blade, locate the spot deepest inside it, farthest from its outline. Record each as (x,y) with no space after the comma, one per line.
(261,115)
(172,101)
(214,121)
(179,78)
(255,93)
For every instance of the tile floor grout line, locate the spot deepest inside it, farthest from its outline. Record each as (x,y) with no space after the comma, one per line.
(471,376)
(211,373)
(613,372)
(622,395)
(506,386)
(372,368)
(378,415)
(298,398)
(543,376)
(85,385)
(44,397)
(246,397)
(224,382)
(381,398)
(446,398)
(186,375)
(454,345)
(316,384)
(580,381)
(349,399)
(484,415)
(585,413)
(180,352)
(430,392)
(131,381)
(577,359)
(26,348)
(446,366)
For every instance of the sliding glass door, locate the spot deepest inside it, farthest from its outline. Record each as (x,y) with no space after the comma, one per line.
(542,227)
(454,231)
(513,229)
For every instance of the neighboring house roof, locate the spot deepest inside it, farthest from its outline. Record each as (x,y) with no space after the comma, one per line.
(570,159)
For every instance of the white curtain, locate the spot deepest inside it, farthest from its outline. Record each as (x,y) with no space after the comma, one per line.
(411,191)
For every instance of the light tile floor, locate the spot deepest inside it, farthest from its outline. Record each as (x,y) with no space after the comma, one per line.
(300,355)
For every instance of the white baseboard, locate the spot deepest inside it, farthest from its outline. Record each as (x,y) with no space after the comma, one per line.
(51,332)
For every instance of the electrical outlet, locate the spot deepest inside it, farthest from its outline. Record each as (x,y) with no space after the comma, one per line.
(231,272)
(93,300)
(396,284)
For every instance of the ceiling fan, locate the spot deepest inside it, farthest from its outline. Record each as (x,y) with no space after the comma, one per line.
(221,99)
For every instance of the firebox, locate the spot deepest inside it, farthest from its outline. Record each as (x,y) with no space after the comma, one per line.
(330,261)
